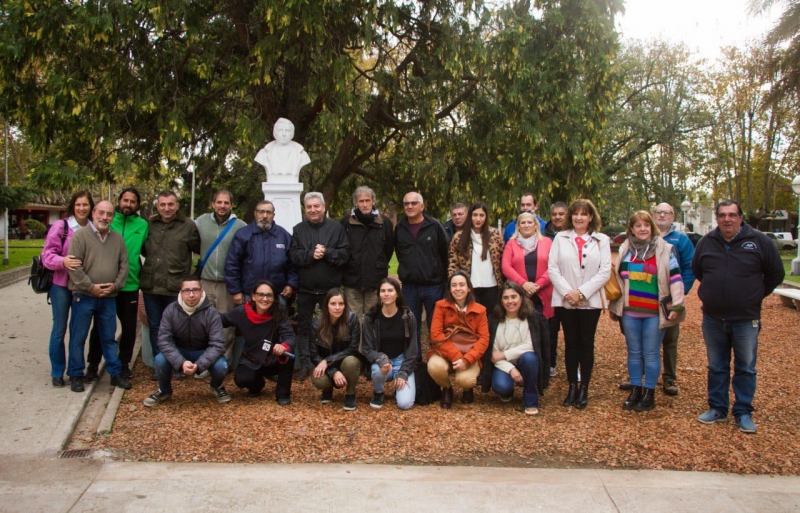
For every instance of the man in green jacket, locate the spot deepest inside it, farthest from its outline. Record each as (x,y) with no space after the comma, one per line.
(171,240)
(211,226)
(134,232)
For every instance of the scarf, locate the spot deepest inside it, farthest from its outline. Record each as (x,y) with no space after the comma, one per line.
(529,244)
(365,219)
(642,249)
(255,317)
(191,309)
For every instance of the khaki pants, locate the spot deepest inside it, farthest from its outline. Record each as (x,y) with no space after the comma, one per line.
(440,370)
(361,301)
(350,367)
(218,295)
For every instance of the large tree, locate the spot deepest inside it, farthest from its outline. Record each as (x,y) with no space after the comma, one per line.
(400,94)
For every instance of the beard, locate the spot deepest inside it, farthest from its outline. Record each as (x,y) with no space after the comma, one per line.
(264,225)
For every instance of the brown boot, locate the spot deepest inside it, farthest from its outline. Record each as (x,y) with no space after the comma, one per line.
(447,398)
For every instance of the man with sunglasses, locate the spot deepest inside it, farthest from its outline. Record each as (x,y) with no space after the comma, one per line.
(190,340)
(421,247)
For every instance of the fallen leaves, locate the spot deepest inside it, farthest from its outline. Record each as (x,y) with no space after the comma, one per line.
(194,427)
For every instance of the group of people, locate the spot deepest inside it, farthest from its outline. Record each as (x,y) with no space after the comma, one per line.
(494,302)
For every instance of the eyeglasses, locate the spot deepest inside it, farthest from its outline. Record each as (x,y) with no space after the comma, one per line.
(191,291)
(410,203)
(664,213)
(261,295)
(265,212)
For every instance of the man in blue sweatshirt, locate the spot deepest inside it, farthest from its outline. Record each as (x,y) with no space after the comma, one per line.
(737,267)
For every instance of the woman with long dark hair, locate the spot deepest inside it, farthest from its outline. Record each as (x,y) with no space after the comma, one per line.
(390,345)
(334,349)
(478,251)
(268,337)
(579,266)
(55,258)
(459,338)
(518,354)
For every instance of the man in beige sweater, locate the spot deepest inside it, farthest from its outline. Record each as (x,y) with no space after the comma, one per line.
(94,285)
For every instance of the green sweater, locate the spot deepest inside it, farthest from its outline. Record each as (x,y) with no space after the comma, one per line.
(134,233)
(214,269)
(101,261)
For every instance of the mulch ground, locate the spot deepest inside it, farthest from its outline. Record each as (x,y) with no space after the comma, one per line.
(194,427)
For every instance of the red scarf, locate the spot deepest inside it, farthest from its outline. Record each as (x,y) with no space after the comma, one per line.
(255,317)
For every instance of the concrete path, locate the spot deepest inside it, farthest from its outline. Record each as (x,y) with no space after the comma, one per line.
(37,419)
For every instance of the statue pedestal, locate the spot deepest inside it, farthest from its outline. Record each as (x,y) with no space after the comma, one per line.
(286,198)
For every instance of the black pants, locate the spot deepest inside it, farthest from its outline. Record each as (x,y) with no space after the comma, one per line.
(554,323)
(127,312)
(579,329)
(487,297)
(306,301)
(253,379)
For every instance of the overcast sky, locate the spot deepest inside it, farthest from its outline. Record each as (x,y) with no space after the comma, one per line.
(704,25)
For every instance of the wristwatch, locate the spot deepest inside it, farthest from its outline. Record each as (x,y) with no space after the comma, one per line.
(581,296)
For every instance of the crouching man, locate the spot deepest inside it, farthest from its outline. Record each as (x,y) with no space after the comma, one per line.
(190,340)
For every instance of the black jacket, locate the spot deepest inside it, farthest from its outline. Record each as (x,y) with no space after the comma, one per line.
(372,342)
(423,261)
(371,249)
(319,276)
(549,231)
(255,336)
(734,281)
(540,336)
(339,350)
(202,331)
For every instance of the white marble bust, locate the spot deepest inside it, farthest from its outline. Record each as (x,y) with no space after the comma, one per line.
(283,158)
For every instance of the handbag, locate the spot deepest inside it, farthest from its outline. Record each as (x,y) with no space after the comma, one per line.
(198,271)
(612,285)
(41,278)
(462,338)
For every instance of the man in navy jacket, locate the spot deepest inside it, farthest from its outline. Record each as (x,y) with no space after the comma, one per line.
(737,267)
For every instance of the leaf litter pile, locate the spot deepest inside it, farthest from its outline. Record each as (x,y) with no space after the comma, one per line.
(194,427)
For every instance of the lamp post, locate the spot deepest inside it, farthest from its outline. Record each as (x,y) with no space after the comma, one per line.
(191,209)
(796,261)
(5,231)
(686,206)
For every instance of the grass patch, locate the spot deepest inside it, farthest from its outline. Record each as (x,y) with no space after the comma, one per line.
(20,252)
(787,255)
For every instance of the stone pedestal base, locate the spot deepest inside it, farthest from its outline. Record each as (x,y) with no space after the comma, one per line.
(286,198)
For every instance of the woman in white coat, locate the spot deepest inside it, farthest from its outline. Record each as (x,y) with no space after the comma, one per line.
(579,267)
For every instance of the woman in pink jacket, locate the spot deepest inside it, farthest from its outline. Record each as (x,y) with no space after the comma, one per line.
(55,258)
(525,259)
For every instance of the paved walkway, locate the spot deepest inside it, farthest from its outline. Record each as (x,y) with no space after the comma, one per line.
(37,419)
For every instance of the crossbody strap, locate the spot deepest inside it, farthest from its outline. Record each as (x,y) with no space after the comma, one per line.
(216,242)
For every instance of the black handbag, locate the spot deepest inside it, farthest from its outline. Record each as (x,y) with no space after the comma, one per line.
(41,278)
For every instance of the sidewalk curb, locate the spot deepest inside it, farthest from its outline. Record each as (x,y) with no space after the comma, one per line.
(14,275)
(107,421)
(66,437)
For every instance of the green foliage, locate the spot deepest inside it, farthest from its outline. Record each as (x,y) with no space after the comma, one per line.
(13,197)
(36,228)
(447,97)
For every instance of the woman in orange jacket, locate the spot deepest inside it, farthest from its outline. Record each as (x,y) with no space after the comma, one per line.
(459,336)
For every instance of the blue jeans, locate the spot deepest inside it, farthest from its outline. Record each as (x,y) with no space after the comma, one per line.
(528,366)
(721,337)
(154,306)
(164,370)
(416,297)
(61,300)
(644,349)
(104,313)
(405,397)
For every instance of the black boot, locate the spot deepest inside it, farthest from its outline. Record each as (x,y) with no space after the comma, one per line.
(447,398)
(633,398)
(648,400)
(583,397)
(571,395)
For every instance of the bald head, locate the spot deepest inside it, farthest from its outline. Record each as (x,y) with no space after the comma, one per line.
(664,216)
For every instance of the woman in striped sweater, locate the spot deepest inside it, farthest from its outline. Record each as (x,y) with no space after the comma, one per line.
(652,300)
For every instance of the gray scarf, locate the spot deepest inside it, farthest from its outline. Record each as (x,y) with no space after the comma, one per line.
(642,249)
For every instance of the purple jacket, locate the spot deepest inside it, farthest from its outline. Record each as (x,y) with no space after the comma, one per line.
(54,252)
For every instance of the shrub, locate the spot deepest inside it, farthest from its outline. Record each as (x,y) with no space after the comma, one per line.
(36,228)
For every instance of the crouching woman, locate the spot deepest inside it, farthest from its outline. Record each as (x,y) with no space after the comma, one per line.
(459,336)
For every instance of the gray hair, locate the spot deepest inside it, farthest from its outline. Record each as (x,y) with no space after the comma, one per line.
(360,191)
(265,202)
(418,195)
(312,195)
(558,204)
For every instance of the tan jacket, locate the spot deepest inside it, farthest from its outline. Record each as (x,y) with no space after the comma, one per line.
(568,273)
(663,250)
